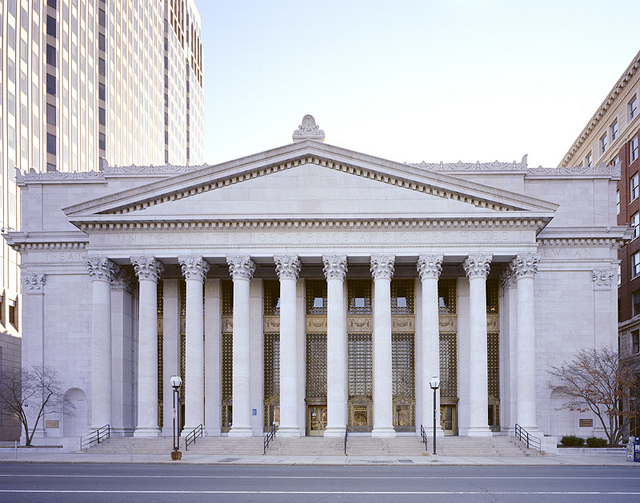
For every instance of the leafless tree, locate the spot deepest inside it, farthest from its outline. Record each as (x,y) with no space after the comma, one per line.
(604,382)
(29,394)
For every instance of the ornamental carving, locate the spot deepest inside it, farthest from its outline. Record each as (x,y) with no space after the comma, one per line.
(604,278)
(382,266)
(317,324)
(287,267)
(577,170)
(271,324)
(403,324)
(472,166)
(429,266)
(101,269)
(335,266)
(493,322)
(477,266)
(34,283)
(194,267)
(525,266)
(227,324)
(448,323)
(357,324)
(241,267)
(147,268)
(308,130)
(507,279)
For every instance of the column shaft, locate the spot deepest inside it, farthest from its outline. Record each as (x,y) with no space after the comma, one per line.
(477,269)
(382,270)
(335,269)
(241,269)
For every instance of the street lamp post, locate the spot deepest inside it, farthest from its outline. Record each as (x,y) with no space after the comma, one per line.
(434,384)
(176,382)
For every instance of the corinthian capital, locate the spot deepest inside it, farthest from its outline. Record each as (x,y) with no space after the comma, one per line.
(287,266)
(241,267)
(101,269)
(429,266)
(34,283)
(335,266)
(194,267)
(147,268)
(477,266)
(525,266)
(382,266)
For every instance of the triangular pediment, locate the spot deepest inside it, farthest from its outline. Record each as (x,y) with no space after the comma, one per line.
(308,180)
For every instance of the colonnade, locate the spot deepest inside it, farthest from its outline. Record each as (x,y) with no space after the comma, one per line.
(241,268)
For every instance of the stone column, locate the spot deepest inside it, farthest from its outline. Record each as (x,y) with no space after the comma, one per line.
(170,347)
(241,270)
(213,357)
(288,269)
(148,271)
(382,271)
(335,270)
(429,269)
(101,272)
(524,268)
(508,355)
(477,269)
(194,270)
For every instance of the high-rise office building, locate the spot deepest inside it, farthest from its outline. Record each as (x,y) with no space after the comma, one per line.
(85,82)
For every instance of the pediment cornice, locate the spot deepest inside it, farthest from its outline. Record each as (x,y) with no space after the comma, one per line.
(306,152)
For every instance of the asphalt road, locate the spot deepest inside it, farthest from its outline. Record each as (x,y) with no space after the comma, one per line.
(94,483)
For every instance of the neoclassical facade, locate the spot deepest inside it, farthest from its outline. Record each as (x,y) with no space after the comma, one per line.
(317,288)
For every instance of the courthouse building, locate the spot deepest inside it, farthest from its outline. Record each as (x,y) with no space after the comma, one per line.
(317,288)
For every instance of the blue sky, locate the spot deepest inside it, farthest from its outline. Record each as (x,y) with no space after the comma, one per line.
(412,80)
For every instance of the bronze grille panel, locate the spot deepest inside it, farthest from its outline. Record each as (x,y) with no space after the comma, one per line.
(227,380)
(447,296)
(160,297)
(271,375)
(402,296)
(359,294)
(403,366)
(316,298)
(359,368)
(448,365)
(226,287)
(271,295)
(493,296)
(316,367)
(160,378)
(493,371)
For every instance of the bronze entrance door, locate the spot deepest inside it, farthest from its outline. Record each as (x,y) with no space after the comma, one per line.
(316,420)
(449,419)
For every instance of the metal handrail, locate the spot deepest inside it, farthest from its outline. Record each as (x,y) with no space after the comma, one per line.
(268,438)
(423,434)
(198,431)
(531,441)
(95,436)
(346,435)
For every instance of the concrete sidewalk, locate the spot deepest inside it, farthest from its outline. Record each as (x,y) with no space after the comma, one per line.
(37,456)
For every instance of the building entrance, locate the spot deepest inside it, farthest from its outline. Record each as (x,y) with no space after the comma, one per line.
(449,419)
(316,420)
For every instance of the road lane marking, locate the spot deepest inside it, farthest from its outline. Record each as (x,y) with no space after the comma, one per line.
(302,493)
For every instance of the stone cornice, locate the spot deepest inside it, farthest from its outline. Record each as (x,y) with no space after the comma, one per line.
(151,170)
(472,166)
(451,223)
(56,177)
(575,171)
(580,241)
(602,110)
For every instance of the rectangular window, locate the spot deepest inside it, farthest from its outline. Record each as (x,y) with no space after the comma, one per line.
(101,92)
(635,341)
(51,143)
(618,202)
(102,18)
(614,130)
(51,84)
(603,144)
(616,161)
(633,107)
(51,55)
(634,189)
(588,161)
(51,26)
(102,116)
(52,4)
(635,304)
(102,70)
(102,44)
(51,114)
(102,142)
(634,149)
(635,224)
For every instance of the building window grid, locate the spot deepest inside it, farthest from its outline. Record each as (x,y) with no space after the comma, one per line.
(614,130)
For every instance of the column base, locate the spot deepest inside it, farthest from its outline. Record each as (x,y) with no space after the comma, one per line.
(147,431)
(383,431)
(335,431)
(241,431)
(479,431)
(288,431)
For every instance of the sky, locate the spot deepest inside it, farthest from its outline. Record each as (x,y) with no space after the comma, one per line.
(412,80)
